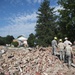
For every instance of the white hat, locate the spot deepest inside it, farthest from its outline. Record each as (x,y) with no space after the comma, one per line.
(60,39)
(55,38)
(66,38)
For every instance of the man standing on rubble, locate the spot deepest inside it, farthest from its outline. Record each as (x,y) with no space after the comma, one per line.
(69,54)
(54,45)
(61,48)
(66,43)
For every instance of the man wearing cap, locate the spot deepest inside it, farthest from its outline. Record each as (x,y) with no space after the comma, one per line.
(54,45)
(69,54)
(61,48)
(66,42)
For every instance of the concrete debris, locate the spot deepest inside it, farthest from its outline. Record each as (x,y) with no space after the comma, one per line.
(73,65)
(32,61)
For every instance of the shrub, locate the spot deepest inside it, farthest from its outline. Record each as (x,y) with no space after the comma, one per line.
(15,43)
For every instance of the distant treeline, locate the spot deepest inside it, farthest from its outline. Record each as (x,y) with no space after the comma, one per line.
(6,40)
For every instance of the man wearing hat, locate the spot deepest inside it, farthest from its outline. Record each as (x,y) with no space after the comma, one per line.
(61,48)
(66,42)
(69,54)
(54,45)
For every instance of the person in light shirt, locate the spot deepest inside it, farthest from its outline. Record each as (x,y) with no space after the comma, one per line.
(61,48)
(54,45)
(66,43)
(69,54)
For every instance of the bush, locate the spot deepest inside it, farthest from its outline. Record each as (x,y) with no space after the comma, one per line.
(15,43)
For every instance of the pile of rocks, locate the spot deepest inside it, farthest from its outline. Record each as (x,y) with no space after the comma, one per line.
(32,61)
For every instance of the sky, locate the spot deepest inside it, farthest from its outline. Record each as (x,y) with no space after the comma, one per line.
(18,17)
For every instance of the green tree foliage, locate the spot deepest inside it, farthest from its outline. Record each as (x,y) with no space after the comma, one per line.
(15,44)
(6,40)
(2,41)
(9,39)
(67,19)
(20,36)
(45,27)
(31,40)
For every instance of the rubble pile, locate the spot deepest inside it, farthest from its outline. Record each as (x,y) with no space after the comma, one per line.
(35,61)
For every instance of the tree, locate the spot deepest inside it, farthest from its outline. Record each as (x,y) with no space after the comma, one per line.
(67,18)
(9,39)
(20,36)
(2,41)
(45,27)
(6,40)
(31,40)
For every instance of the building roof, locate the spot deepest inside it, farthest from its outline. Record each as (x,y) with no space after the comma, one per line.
(22,38)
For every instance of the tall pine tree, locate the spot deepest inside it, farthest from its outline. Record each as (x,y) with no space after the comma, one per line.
(45,27)
(67,18)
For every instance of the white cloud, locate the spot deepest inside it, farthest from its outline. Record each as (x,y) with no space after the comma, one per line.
(39,1)
(22,1)
(18,25)
(14,1)
(34,1)
(57,8)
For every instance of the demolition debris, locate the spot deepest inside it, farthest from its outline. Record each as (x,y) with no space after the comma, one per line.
(32,61)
